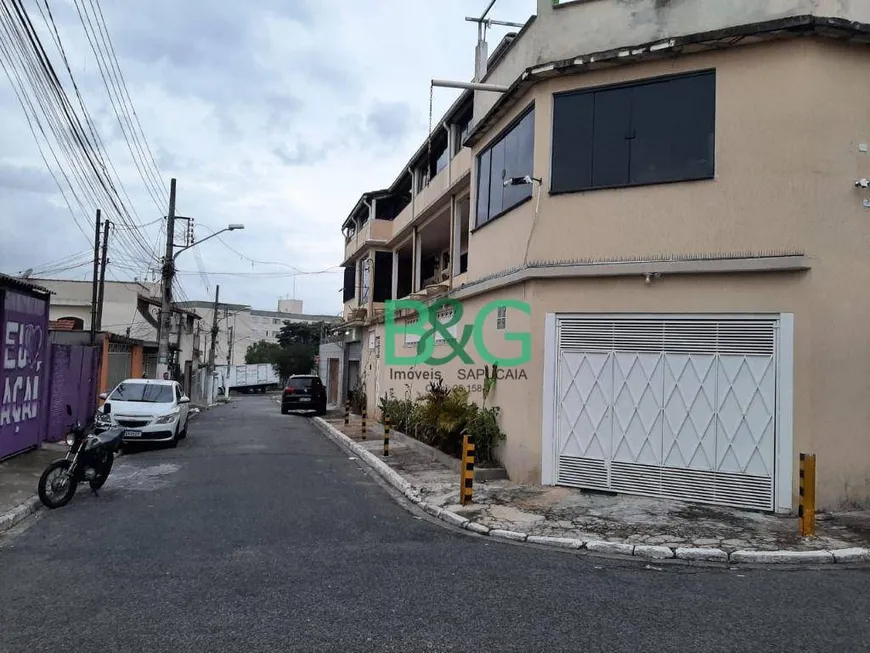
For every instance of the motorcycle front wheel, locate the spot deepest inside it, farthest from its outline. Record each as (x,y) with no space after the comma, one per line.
(56,487)
(103,471)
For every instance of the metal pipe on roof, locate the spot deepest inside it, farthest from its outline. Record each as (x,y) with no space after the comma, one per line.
(486,11)
(489,22)
(473,86)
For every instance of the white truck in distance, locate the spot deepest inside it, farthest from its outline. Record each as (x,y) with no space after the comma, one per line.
(251,378)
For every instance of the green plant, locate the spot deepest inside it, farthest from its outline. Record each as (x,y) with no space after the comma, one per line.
(483,430)
(399,410)
(489,380)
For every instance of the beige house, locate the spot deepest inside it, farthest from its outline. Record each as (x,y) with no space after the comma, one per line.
(130,309)
(674,191)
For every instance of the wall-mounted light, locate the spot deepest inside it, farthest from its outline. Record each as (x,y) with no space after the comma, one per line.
(649,276)
(520,181)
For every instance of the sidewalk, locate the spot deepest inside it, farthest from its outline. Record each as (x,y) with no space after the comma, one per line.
(623,520)
(20,475)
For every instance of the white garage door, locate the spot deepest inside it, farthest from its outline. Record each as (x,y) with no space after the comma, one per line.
(671,408)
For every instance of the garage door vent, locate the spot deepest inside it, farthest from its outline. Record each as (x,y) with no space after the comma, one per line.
(582,472)
(742,337)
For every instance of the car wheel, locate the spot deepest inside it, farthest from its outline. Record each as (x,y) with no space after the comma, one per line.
(175,438)
(284,411)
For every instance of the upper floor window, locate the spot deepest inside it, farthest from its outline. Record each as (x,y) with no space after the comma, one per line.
(510,156)
(349,290)
(656,131)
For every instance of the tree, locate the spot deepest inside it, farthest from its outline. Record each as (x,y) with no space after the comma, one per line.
(300,333)
(298,343)
(263,352)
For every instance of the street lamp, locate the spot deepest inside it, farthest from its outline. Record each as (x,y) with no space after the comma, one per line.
(230,227)
(166,304)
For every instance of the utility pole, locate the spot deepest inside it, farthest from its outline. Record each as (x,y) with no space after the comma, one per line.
(230,349)
(168,276)
(103,263)
(214,335)
(95,282)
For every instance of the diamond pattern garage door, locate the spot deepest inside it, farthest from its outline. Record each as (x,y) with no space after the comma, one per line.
(671,408)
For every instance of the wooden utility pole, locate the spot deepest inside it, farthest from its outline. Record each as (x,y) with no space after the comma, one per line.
(166,288)
(230,347)
(103,262)
(95,283)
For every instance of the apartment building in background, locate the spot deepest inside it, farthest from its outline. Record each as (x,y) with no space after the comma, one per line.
(672,188)
(240,326)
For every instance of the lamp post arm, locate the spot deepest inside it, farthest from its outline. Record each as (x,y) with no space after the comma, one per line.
(184,249)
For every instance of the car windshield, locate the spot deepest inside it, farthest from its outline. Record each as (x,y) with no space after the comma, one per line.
(143,392)
(300,383)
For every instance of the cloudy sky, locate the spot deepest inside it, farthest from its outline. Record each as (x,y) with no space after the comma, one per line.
(274,113)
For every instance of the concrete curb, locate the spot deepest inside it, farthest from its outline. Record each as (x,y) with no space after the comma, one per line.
(643,551)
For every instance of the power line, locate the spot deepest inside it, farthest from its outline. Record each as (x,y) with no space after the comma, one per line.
(64,124)
(118,108)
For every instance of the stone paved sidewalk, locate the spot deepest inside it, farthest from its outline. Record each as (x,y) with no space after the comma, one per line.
(568,513)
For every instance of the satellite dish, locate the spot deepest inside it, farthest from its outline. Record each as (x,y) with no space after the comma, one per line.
(27,273)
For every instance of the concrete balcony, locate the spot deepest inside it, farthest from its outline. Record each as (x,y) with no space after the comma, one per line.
(372,232)
(404,219)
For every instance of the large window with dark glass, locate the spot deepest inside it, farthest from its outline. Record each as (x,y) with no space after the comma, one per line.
(511,155)
(656,131)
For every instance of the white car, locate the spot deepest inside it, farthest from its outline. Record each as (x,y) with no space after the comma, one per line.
(151,410)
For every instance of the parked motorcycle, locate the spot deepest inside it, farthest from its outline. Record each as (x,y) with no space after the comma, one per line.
(90,458)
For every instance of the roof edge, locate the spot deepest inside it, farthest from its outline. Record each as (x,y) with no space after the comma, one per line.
(802,25)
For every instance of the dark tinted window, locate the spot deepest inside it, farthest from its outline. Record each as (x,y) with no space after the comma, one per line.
(512,155)
(143,392)
(652,132)
(301,383)
(349,282)
(483,167)
(572,151)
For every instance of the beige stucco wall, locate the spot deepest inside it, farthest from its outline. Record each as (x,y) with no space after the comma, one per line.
(789,121)
(831,416)
(600,25)
(790,118)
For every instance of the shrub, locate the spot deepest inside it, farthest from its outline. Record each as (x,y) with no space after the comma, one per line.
(486,434)
(441,416)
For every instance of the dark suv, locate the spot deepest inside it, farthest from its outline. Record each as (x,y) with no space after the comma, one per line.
(304,392)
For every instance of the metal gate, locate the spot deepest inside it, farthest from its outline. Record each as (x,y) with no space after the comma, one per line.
(120,363)
(668,407)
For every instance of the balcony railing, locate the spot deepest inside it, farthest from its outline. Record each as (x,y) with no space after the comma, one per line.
(459,167)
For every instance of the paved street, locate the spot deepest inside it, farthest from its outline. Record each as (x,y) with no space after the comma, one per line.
(259,534)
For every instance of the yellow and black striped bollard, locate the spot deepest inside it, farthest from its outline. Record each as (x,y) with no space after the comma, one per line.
(386,435)
(466,472)
(807,495)
(347,413)
(363,426)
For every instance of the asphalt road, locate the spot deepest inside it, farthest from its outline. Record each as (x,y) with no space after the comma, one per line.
(259,534)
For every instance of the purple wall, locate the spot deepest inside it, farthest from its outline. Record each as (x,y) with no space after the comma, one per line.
(23,371)
(74,378)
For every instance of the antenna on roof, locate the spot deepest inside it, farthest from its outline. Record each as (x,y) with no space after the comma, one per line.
(481,56)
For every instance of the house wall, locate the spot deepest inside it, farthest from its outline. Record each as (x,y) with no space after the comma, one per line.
(73,299)
(789,119)
(789,122)
(24,370)
(590,26)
